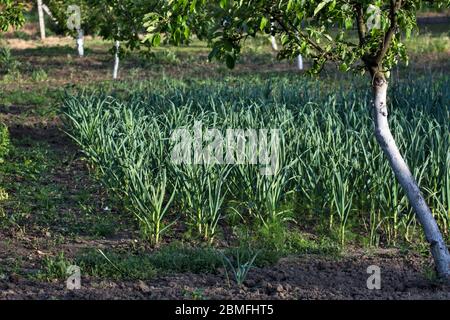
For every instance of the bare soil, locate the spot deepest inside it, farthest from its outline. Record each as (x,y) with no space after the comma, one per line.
(304,277)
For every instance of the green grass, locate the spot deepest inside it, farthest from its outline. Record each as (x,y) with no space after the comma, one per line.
(169,259)
(4,142)
(33,201)
(44,98)
(428,43)
(113,264)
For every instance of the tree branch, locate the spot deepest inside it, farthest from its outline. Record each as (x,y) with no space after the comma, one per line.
(390,33)
(300,35)
(360,23)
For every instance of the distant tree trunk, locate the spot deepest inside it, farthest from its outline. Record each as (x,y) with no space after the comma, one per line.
(273,41)
(423,213)
(41,19)
(80,42)
(49,13)
(300,62)
(116,60)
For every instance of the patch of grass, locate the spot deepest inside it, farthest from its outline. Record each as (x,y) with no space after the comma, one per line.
(54,268)
(39,75)
(277,240)
(24,176)
(181,258)
(95,224)
(297,243)
(26,98)
(8,63)
(169,259)
(21,35)
(13,265)
(196,294)
(113,265)
(4,142)
(429,43)
(430,274)
(52,51)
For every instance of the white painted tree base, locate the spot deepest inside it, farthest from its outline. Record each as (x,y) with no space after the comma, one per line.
(80,42)
(300,62)
(273,41)
(116,60)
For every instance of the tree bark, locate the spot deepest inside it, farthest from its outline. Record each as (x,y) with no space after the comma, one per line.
(49,13)
(80,42)
(116,60)
(423,213)
(41,19)
(300,62)
(273,41)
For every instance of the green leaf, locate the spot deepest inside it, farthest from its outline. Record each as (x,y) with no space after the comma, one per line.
(156,40)
(263,23)
(290,5)
(223,3)
(177,36)
(348,24)
(321,6)
(230,61)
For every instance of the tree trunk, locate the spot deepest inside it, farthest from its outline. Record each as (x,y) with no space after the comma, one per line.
(300,62)
(273,41)
(49,13)
(80,42)
(116,60)
(423,213)
(41,19)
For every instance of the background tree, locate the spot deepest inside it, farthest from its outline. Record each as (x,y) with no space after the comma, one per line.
(11,14)
(121,21)
(41,18)
(359,35)
(64,13)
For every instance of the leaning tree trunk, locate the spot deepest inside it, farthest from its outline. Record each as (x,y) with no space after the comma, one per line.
(41,19)
(116,59)
(423,213)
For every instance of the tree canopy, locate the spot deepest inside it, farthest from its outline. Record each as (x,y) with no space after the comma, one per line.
(11,14)
(346,32)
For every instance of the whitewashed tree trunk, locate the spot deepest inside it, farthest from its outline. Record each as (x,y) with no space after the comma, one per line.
(273,41)
(423,213)
(49,13)
(300,62)
(116,60)
(41,19)
(80,42)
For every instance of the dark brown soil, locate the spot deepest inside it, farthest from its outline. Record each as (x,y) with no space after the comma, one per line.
(305,277)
